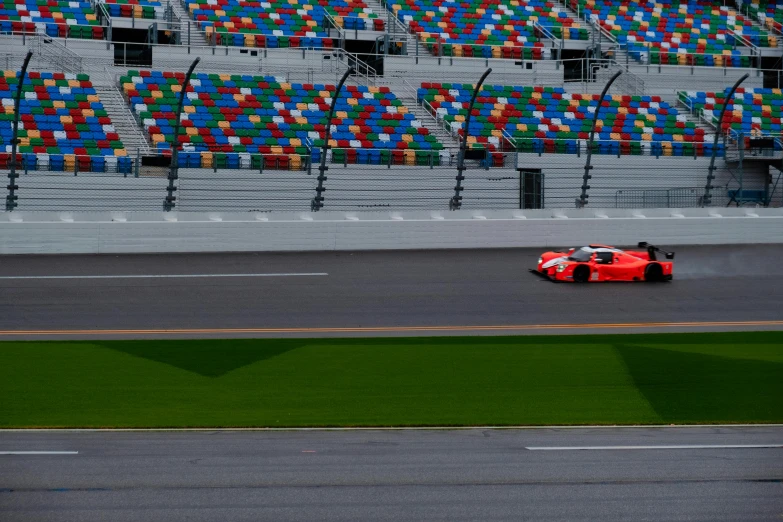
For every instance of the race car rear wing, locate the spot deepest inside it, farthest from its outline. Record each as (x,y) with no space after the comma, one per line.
(651,250)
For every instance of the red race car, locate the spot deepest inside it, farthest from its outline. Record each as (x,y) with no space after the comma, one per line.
(598,263)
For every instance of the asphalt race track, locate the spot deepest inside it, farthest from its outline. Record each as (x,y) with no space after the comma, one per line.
(375,291)
(477,474)
(395,475)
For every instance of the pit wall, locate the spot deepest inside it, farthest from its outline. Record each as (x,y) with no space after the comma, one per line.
(159,232)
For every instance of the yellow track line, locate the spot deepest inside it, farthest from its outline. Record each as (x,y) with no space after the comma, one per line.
(380,329)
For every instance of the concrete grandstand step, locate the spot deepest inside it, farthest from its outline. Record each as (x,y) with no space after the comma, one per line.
(435,127)
(700,122)
(197,37)
(609,49)
(125,124)
(573,14)
(395,29)
(622,57)
(756,23)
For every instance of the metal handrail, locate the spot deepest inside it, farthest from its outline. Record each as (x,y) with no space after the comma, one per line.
(413,91)
(556,42)
(127,113)
(361,68)
(686,100)
(634,85)
(399,26)
(510,139)
(603,32)
(333,23)
(755,51)
(64,60)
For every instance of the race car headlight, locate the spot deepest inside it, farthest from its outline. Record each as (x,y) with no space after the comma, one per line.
(561,268)
(540,260)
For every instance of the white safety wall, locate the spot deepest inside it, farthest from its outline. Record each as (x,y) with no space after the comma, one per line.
(54,233)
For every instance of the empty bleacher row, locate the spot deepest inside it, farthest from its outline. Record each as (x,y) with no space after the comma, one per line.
(697,32)
(752,112)
(493,29)
(550,120)
(264,115)
(278,23)
(56,18)
(232,121)
(147,9)
(768,12)
(63,125)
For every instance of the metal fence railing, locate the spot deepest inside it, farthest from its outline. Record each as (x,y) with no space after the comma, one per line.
(372,179)
(659,198)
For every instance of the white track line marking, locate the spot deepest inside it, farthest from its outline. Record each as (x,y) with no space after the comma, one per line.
(685,446)
(403,428)
(39,452)
(164,276)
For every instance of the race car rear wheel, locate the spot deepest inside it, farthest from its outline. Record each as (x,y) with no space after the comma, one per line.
(653,273)
(581,274)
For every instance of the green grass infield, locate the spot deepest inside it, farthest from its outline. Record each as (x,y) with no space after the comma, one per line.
(445,381)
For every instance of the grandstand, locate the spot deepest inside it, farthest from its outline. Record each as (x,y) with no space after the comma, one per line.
(768,12)
(266,115)
(549,119)
(55,18)
(63,124)
(699,32)
(133,8)
(260,97)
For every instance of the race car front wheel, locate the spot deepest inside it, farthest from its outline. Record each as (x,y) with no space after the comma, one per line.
(653,273)
(581,274)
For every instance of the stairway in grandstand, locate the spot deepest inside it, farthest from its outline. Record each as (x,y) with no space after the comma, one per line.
(385,15)
(757,23)
(196,35)
(124,123)
(608,47)
(436,127)
(397,30)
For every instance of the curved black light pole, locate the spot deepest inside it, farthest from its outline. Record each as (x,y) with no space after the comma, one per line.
(582,201)
(10,200)
(456,201)
(171,199)
(318,201)
(707,199)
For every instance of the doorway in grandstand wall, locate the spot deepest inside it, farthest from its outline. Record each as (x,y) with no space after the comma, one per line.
(575,67)
(133,47)
(531,188)
(773,72)
(366,51)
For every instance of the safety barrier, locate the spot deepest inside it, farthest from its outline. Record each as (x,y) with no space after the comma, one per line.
(118,232)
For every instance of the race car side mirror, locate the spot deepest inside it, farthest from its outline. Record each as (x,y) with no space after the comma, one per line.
(642,244)
(669,255)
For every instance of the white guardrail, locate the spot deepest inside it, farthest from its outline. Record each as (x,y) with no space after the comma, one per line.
(139,232)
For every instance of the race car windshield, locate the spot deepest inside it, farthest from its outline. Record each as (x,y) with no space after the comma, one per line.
(580,255)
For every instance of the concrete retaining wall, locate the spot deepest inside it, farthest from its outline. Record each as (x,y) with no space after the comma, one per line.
(50,233)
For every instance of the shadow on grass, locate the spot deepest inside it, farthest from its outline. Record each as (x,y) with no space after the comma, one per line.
(209,358)
(689,387)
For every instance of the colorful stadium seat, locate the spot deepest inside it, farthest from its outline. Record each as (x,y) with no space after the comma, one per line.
(56,18)
(548,119)
(768,12)
(752,111)
(247,114)
(695,32)
(132,8)
(279,23)
(489,29)
(62,123)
